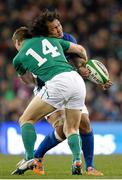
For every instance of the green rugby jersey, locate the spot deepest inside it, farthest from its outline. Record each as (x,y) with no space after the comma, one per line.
(43,57)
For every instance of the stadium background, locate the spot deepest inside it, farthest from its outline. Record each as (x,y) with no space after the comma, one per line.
(96,24)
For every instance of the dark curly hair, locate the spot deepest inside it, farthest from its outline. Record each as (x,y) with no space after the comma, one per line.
(39,26)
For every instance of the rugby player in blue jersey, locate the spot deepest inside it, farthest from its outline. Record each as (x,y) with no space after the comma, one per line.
(49,24)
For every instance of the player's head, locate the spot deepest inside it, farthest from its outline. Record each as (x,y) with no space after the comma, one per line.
(20,35)
(47,24)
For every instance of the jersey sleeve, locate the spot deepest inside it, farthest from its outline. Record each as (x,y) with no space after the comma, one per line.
(65,44)
(72,39)
(69,37)
(19,67)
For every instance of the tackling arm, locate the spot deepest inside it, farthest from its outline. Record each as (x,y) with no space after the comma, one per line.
(79,50)
(28,79)
(79,59)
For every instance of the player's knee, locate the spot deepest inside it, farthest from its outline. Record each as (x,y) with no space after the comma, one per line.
(22,120)
(70,130)
(59,133)
(56,118)
(85,126)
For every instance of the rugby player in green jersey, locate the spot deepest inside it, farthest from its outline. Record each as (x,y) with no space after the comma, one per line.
(53,28)
(64,87)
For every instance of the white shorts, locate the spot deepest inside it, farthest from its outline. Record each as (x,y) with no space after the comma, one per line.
(65,90)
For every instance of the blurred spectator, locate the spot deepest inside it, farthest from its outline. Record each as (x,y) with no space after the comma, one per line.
(95,24)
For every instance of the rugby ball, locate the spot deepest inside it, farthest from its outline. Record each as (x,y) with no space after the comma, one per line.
(98,72)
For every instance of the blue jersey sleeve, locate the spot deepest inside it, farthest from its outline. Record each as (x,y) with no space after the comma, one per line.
(69,37)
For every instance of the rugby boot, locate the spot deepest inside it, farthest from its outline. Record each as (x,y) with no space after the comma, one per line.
(93,172)
(38,166)
(76,168)
(23,166)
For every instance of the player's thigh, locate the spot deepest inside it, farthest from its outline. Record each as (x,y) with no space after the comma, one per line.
(36,110)
(56,118)
(78,93)
(72,121)
(85,126)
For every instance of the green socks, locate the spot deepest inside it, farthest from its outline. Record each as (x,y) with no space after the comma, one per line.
(74,143)
(29,138)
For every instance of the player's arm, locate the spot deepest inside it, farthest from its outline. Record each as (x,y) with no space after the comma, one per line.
(28,79)
(80,59)
(79,50)
(75,60)
(70,47)
(22,72)
(79,53)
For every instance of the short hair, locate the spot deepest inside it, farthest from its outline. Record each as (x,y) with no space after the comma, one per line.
(39,25)
(21,34)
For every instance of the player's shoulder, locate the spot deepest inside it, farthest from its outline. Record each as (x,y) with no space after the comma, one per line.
(69,37)
(29,42)
(19,56)
(16,59)
(51,39)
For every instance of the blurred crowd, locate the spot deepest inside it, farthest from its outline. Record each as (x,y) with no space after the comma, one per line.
(96,24)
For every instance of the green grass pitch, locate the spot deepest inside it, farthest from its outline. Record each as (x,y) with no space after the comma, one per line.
(59,167)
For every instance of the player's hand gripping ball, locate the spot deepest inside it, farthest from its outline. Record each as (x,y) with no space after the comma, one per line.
(98,72)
